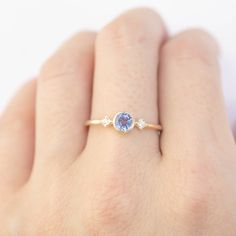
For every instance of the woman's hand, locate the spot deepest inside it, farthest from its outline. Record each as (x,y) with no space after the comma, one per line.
(59,178)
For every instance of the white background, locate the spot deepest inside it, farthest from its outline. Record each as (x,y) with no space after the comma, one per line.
(30,30)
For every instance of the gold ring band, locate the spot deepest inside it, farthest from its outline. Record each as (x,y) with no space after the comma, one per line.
(123,122)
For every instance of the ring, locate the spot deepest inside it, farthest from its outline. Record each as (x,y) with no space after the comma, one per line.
(123,122)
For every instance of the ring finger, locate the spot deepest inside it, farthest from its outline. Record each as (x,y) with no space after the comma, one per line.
(126,79)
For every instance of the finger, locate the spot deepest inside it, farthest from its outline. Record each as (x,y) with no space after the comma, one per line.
(17,140)
(234,130)
(63,102)
(126,78)
(191,102)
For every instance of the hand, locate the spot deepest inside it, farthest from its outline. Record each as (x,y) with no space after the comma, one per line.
(59,178)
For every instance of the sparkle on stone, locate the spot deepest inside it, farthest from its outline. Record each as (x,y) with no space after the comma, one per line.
(106,121)
(141,124)
(123,122)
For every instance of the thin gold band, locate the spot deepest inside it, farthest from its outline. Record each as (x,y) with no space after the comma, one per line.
(140,123)
(152,126)
(100,122)
(93,122)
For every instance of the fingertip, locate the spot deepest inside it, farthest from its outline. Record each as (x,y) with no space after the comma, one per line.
(193,41)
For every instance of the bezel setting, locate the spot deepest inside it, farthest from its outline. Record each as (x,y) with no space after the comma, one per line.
(123,122)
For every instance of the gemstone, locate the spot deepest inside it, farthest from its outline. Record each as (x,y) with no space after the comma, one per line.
(123,122)
(141,124)
(106,121)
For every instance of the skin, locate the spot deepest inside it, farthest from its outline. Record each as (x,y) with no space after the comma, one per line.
(60,178)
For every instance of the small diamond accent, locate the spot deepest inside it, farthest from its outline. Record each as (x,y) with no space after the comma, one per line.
(141,124)
(106,121)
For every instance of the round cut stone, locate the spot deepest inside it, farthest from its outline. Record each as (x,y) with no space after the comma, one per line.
(123,122)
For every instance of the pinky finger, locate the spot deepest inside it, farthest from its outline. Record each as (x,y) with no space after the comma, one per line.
(17,141)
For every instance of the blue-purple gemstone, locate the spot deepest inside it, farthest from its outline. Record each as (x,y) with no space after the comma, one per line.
(123,122)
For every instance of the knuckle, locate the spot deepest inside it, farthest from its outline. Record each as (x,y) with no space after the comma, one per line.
(111,205)
(37,221)
(73,57)
(193,210)
(196,199)
(132,28)
(192,45)
(196,193)
(56,67)
(16,122)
